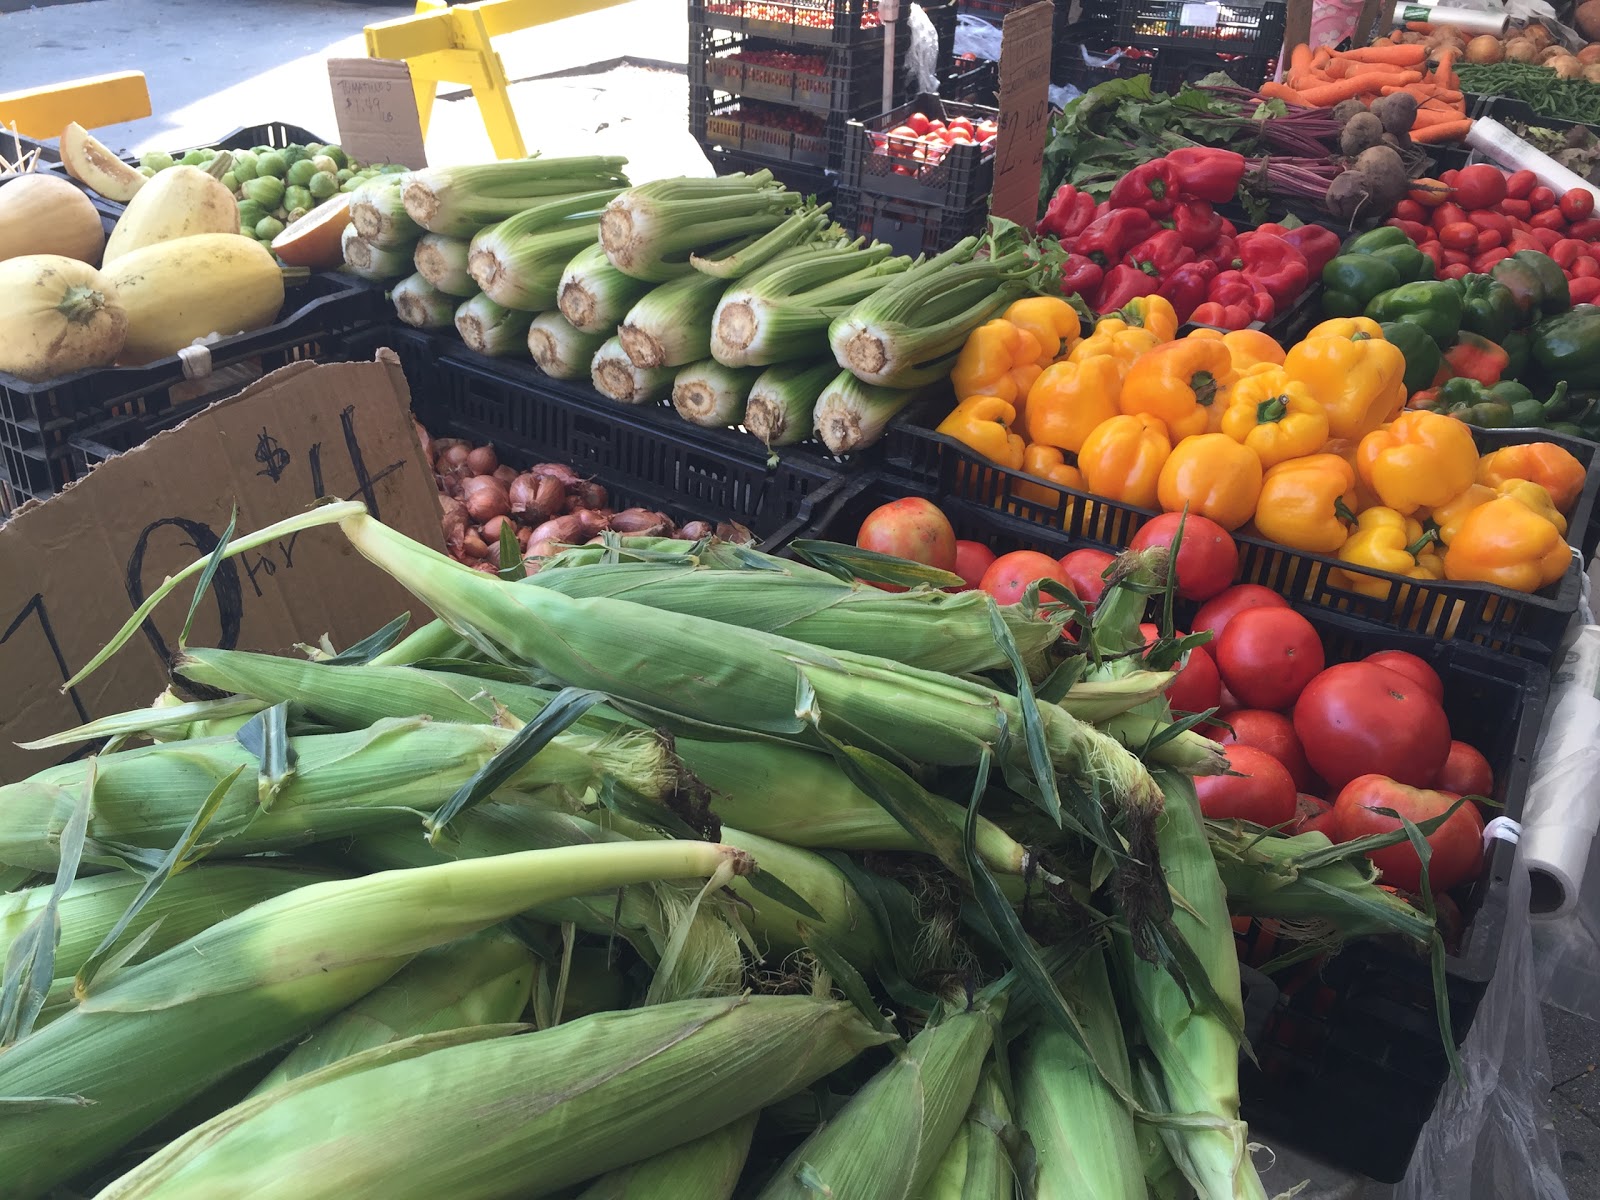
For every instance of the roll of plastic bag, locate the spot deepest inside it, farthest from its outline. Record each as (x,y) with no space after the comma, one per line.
(1563,808)
(1469,21)
(1506,148)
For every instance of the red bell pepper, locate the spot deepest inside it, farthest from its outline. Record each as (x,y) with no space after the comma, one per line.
(1319,245)
(1236,287)
(1225,253)
(1159,253)
(1207,174)
(1197,223)
(1476,357)
(1080,275)
(1151,186)
(1068,214)
(1276,265)
(1108,238)
(1121,285)
(1185,288)
(1222,316)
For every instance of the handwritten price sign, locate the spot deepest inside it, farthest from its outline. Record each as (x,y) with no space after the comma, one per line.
(1025,41)
(376,108)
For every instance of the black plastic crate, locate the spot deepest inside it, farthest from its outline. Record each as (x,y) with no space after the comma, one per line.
(802,22)
(1351,1061)
(15,146)
(1509,108)
(797,177)
(971,81)
(1082,61)
(962,177)
(753,128)
(820,79)
(909,227)
(1529,625)
(1178,67)
(1245,28)
(38,421)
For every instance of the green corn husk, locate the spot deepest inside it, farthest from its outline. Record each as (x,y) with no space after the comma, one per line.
(484,979)
(442,261)
(1082,1132)
(710,394)
(888,1141)
(519,262)
(705,1169)
(977,1166)
(379,215)
(594,295)
(460,201)
(491,329)
(570,1102)
(371,261)
(670,326)
(591,984)
(343,784)
(614,375)
(422,306)
(802,228)
(650,231)
(163,1031)
(559,350)
(1162,1179)
(850,415)
(189,902)
(783,399)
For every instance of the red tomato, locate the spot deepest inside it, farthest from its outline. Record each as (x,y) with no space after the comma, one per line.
(1541,198)
(972,560)
(1488,239)
(1517,210)
(1548,218)
(1313,814)
(1207,557)
(1519,185)
(1010,574)
(1585,289)
(1465,772)
(1216,612)
(1585,268)
(1458,235)
(1360,719)
(910,528)
(1085,571)
(1457,845)
(1261,791)
(1480,186)
(1267,656)
(1455,270)
(1586,230)
(1412,667)
(918,121)
(1273,733)
(1410,210)
(1198,687)
(1577,203)
(1448,213)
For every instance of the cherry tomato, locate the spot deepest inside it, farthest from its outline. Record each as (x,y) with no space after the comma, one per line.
(1480,186)
(1465,772)
(1268,655)
(1260,791)
(1576,203)
(1413,668)
(1216,612)
(1519,185)
(972,560)
(1274,733)
(1358,718)
(1458,235)
(1541,198)
(1085,574)
(910,528)
(1010,574)
(1457,845)
(1207,556)
(1198,687)
(1313,814)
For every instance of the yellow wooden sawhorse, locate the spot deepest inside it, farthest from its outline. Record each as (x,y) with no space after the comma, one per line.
(444,44)
(44,112)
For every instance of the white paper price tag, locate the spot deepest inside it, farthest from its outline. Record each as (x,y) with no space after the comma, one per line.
(1200,16)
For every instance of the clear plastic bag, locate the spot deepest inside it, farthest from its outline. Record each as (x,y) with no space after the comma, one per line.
(922,56)
(977,37)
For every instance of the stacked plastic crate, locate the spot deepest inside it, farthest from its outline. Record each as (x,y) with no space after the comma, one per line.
(1173,41)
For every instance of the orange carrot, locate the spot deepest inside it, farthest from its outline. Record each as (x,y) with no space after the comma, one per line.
(1330,94)
(1442,74)
(1394,56)
(1300,58)
(1366,68)
(1321,58)
(1429,116)
(1281,91)
(1445,131)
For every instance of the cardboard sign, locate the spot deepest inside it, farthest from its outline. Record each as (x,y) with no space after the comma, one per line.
(1025,41)
(74,568)
(376,108)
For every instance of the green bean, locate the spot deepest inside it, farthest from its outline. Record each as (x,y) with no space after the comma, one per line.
(1540,88)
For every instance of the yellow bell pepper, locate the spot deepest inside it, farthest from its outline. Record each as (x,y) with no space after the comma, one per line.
(1347,328)
(1052,321)
(1249,347)
(1213,476)
(1551,466)
(1506,543)
(1178,383)
(1421,460)
(1535,497)
(1125,345)
(1355,381)
(1122,459)
(1447,517)
(1069,399)
(1385,540)
(998,359)
(1275,416)
(1154,313)
(983,423)
(1047,463)
(1308,503)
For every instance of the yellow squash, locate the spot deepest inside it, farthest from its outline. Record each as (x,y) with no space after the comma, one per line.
(44,214)
(57,316)
(178,202)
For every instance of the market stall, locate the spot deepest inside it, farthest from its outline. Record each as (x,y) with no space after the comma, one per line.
(900,696)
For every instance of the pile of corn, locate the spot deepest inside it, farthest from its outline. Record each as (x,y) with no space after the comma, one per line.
(673,871)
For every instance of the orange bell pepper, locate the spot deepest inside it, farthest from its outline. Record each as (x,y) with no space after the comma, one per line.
(1069,399)
(1249,347)
(1359,381)
(1213,476)
(1385,540)
(1154,313)
(1125,345)
(1447,517)
(1047,463)
(1420,460)
(1122,459)
(998,359)
(1551,466)
(1347,328)
(983,423)
(1050,319)
(1308,503)
(1506,543)
(1178,383)
(1275,416)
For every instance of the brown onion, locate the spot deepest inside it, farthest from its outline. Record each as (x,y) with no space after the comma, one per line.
(561,529)
(485,497)
(695,530)
(505,474)
(548,548)
(488,568)
(483,460)
(491,529)
(452,521)
(474,546)
(561,471)
(454,455)
(590,495)
(732,531)
(592,520)
(641,522)
(522,536)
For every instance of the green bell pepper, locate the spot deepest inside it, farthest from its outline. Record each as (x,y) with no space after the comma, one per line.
(1381,238)
(1432,305)
(1503,406)
(1390,245)
(1487,306)
(1351,282)
(1515,345)
(1568,347)
(1537,284)
(1421,352)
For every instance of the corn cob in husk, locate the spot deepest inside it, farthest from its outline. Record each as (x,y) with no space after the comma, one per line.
(977,1166)
(705,1169)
